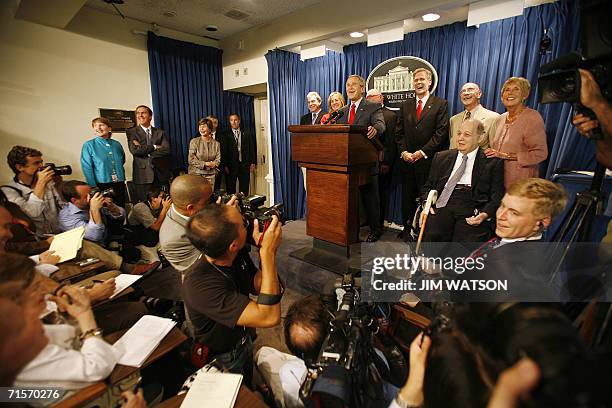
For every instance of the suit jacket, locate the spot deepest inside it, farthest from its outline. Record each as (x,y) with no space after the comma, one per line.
(307,118)
(429,133)
(147,160)
(388,137)
(487,179)
(367,114)
(248,149)
(175,245)
(488,119)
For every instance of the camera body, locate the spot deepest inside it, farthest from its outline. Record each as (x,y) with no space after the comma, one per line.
(107,192)
(559,80)
(251,208)
(59,170)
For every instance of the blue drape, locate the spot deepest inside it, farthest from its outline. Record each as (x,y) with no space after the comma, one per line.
(286,97)
(243,105)
(487,55)
(186,85)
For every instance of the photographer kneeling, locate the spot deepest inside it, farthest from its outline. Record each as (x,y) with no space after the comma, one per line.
(217,286)
(146,218)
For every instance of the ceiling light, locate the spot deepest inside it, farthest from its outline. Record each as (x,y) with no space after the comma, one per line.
(356,34)
(430,17)
(211,27)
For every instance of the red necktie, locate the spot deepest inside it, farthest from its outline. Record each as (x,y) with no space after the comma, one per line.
(352,114)
(419,109)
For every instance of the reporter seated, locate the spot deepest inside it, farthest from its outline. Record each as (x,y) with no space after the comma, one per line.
(34,189)
(146,218)
(217,286)
(60,363)
(93,213)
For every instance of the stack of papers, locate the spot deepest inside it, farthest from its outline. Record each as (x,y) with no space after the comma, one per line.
(137,344)
(124,281)
(214,390)
(67,244)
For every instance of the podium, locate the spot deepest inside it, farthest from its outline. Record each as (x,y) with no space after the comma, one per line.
(338,159)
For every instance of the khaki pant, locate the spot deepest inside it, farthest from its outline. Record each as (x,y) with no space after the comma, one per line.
(93,250)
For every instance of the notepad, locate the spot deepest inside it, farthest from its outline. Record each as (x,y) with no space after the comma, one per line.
(137,344)
(214,390)
(122,282)
(67,244)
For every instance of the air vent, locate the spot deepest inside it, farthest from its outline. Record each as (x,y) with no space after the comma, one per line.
(236,14)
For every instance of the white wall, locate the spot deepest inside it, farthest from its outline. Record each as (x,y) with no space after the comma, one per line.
(53,81)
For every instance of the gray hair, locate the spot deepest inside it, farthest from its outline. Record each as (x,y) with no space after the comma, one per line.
(315,94)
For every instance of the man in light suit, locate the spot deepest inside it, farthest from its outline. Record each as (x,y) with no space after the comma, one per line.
(363,112)
(190,193)
(470,187)
(470,95)
(421,132)
(314,106)
(151,150)
(241,156)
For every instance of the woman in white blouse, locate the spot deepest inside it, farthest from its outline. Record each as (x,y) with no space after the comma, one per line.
(204,153)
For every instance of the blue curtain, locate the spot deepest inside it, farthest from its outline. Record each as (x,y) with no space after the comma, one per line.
(487,55)
(286,96)
(186,85)
(243,105)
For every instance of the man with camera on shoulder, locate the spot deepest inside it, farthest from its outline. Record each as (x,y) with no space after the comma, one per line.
(217,286)
(35,188)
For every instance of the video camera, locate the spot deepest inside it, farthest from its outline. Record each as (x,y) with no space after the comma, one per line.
(251,208)
(344,373)
(59,170)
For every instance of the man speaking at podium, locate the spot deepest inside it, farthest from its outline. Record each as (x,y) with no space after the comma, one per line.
(363,112)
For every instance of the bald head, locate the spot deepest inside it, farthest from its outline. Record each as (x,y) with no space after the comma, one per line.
(468,135)
(374,95)
(470,95)
(190,193)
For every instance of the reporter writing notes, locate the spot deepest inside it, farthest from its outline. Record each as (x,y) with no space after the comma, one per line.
(217,286)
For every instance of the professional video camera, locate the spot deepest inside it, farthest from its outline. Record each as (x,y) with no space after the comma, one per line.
(107,192)
(251,208)
(59,170)
(347,370)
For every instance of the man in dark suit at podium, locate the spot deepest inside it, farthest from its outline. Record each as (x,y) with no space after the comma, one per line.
(363,112)
(314,106)
(470,187)
(241,155)
(422,131)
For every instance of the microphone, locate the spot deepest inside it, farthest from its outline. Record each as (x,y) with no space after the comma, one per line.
(332,116)
(338,116)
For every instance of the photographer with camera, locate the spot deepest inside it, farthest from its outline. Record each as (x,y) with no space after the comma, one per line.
(35,188)
(591,98)
(217,286)
(146,218)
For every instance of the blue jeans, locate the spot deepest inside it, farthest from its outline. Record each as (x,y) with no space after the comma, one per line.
(239,360)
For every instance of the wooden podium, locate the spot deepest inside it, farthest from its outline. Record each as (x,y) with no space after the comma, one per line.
(338,159)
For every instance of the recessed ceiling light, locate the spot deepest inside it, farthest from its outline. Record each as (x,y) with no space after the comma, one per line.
(211,27)
(170,13)
(430,17)
(356,34)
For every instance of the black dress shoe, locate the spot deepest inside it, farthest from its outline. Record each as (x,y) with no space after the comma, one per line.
(372,237)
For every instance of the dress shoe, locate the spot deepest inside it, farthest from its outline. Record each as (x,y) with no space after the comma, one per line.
(139,269)
(372,237)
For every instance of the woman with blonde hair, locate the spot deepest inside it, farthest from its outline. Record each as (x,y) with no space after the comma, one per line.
(335,101)
(520,139)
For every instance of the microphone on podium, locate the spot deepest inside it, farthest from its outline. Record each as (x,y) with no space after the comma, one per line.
(332,117)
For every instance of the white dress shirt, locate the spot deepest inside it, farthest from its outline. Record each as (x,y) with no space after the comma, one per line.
(60,365)
(466,179)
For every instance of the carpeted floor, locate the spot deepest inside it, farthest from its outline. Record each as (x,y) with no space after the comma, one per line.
(301,278)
